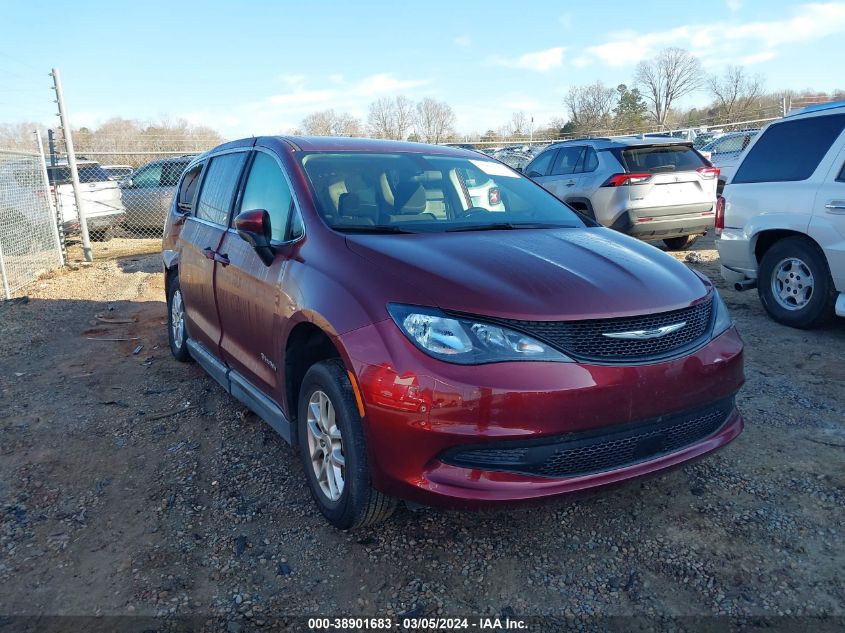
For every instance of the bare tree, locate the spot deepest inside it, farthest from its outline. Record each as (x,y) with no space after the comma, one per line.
(735,93)
(391,117)
(435,120)
(20,136)
(672,74)
(331,123)
(590,106)
(519,124)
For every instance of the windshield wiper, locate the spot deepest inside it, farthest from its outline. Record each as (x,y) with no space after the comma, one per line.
(363,228)
(506,226)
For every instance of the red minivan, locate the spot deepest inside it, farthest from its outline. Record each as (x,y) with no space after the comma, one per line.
(425,323)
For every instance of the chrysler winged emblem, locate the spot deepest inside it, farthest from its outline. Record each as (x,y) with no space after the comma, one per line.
(641,335)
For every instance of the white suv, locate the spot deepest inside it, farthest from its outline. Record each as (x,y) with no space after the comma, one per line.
(782,225)
(654,188)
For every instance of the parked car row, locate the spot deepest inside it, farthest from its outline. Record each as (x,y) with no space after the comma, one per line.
(116,195)
(780,225)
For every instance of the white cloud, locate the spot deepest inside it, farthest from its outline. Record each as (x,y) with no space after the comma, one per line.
(292,80)
(333,97)
(755,41)
(464,41)
(757,58)
(281,112)
(539,61)
(582,60)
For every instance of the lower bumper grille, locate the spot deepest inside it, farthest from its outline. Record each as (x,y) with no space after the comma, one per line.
(597,450)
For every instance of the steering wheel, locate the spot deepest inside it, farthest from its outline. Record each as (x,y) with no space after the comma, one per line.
(473,212)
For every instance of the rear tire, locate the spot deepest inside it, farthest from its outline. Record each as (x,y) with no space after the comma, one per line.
(177,329)
(333,450)
(103,235)
(789,269)
(680,243)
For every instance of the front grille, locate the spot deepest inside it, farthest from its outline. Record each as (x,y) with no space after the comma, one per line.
(598,450)
(585,340)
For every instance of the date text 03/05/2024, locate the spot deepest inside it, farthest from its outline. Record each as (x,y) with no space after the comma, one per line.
(414,624)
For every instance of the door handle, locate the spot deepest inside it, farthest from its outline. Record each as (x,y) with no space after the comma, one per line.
(571,183)
(835,206)
(222,259)
(209,253)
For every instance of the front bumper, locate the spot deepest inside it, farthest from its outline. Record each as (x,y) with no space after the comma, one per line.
(419,411)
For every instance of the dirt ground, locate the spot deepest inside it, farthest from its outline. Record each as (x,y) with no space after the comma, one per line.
(131,484)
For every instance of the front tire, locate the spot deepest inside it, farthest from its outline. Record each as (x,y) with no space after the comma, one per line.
(794,283)
(680,243)
(333,450)
(177,330)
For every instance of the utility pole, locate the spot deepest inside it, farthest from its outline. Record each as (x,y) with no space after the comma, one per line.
(71,162)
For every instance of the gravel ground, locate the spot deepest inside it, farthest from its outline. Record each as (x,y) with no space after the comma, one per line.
(133,485)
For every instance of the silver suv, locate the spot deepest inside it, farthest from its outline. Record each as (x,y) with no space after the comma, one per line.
(648,187)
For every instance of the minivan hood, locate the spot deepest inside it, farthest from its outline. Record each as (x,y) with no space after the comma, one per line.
(541,274)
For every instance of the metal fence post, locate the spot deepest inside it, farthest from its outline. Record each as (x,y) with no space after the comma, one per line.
(71,161)
(55,218)
(6,292)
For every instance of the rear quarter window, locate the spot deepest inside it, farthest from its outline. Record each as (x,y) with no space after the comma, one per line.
(791,150)
(661,158)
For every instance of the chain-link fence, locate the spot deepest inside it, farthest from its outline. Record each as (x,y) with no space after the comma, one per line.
(126,189)
(29,235)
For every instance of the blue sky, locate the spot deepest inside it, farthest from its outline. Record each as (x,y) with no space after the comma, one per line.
(259,67)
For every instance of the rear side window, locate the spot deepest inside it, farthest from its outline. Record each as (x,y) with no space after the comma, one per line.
(540,165)
(266,188)
(88,172)
(791,150)
(567,161)
(661,158)
(188,190)
(589,161)
(219,186)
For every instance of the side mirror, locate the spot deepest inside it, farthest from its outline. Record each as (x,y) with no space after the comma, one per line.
(533,174)
(127,184)
(519,169)
(254,228)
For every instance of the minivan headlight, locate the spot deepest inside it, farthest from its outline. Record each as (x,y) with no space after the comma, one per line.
(465,341)
(721,317)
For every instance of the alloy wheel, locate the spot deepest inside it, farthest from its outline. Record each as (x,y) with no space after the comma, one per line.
(792,284)
(325,446)
(177,318)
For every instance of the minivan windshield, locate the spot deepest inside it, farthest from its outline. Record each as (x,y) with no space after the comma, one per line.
(407,192)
